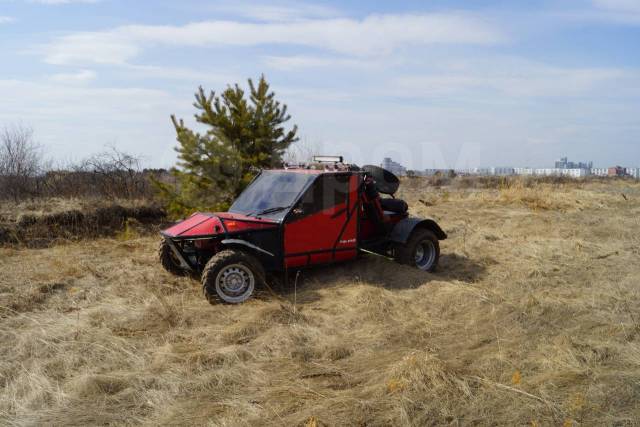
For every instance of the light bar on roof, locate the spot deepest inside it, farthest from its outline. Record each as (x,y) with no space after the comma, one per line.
(327,159)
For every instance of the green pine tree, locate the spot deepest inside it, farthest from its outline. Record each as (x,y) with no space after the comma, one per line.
(244,134)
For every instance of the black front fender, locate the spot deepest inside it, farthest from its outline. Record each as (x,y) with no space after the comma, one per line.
(403,229)
(263,252)
(247,245)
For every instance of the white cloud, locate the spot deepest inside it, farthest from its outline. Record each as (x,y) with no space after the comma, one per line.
(623,11)
(308,61)
(99,48)
(312,96)
(373,35)
(201,77)
(61,101)
(512,78)
(82,76)
(73,121)
(6,19)
(630,6)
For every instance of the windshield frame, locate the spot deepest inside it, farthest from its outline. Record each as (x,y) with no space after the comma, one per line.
(278,215)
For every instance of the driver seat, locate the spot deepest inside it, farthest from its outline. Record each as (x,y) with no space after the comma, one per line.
(394,205)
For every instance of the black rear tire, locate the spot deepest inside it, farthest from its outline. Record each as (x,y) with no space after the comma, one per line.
(168,259)
(422,250)
(231,277)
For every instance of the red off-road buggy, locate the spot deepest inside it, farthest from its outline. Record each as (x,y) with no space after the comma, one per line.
(298,217)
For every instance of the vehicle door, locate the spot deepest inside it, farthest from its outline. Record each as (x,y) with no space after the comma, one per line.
(322,226)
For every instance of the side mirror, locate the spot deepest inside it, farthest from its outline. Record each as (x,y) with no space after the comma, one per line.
(298,211)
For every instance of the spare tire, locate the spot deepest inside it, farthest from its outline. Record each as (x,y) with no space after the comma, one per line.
(386,182)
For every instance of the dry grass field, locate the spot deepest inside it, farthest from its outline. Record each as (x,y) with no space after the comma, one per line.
(532,319)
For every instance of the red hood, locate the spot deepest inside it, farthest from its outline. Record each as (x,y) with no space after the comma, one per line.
(207,224)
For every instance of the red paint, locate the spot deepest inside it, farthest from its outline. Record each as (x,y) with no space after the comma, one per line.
(206,224)
(322,231)
(349,238)
(321,258)
(197,224)
(296,261)
(235,226)
(314,232)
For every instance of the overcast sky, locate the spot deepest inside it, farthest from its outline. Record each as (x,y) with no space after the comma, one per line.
(429,83)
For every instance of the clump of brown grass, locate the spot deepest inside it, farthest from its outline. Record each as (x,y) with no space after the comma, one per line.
(38,230)
(424,376)
(536,197)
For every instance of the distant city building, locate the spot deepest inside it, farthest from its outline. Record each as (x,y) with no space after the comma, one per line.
(616,171)
(493,171)
(633,172)
(431,172)
(564,163)
(502,171)
(524,171)
(580,172)
(393,167)
(563,168)
(574,172)
(443,172)
(476,171)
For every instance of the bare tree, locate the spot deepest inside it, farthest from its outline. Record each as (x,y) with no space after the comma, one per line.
(21,163)
(116,174)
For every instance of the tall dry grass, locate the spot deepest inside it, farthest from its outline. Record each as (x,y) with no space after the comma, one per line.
(531,320)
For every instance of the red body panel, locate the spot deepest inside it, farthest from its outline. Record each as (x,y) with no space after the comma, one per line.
(238,222)
(206,224)
(319,238)
(197,224)
(314,232)
(321,258)
(349,238)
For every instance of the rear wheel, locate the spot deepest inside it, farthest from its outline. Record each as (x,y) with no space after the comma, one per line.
(168,259)
(422,250)
(231,276)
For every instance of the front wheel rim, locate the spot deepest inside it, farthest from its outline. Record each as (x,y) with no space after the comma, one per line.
(235,283)
(425,255)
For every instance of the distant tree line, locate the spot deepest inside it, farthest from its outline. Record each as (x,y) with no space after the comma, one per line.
(26,174)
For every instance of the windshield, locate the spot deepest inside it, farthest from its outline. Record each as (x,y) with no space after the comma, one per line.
(271,194)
